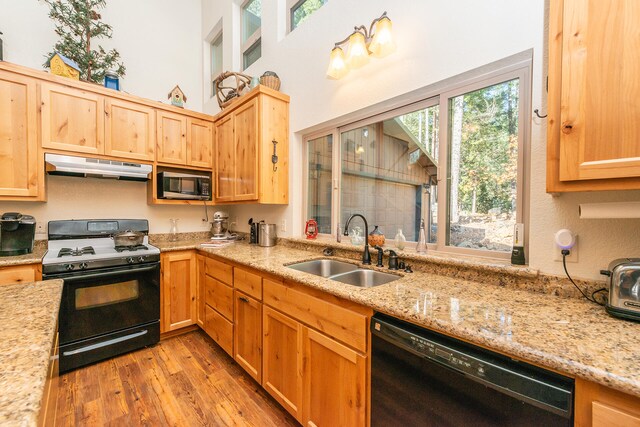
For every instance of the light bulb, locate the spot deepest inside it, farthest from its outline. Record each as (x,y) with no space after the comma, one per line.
(337,66)
(382,43)
(357,54)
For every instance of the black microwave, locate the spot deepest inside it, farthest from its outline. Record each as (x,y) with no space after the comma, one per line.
(183,186)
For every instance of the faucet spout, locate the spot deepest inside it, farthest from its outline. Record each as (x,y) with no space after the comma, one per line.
(366,256)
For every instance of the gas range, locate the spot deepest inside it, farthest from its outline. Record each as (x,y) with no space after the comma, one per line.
(83,245)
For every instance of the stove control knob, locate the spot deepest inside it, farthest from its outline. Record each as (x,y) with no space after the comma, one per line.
(83,265)
(130,260)
(141,259)
(68,266)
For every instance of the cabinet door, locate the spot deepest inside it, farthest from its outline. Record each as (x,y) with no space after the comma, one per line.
(172,138)
(72,119)
(248,334)
(599,110)
(19,165)
(282,360)
(334,383)
(246,151)
(199,142)
(200,296)
(219,329)
(130,130)
(224,159)
(178,290)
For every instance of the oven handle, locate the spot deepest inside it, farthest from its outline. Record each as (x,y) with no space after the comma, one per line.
(104,343)
(109,273)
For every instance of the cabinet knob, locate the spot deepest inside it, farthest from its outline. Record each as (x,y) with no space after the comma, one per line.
(243,299)
(567,128)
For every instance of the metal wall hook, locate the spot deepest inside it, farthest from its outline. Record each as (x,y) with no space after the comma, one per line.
(537,113)
(274,157)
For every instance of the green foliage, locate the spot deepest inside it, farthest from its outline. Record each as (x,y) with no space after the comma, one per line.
(489,149)
(77,23)
(305,10)
(423,125)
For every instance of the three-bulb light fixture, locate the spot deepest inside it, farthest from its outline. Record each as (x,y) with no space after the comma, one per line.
(377,42)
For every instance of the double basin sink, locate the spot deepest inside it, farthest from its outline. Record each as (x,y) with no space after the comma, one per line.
(344,272)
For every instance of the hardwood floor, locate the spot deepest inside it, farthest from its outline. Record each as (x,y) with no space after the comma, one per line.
(182,381)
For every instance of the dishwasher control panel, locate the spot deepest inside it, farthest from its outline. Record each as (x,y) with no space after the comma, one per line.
(447,356)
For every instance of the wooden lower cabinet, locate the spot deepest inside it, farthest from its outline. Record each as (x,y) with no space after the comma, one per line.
(178,291)
(335,381)
(248,334)
(200,299)
(282,360)
(219,329)
(20,274)
(600,406)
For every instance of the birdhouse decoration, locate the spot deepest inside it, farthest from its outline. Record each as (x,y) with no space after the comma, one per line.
(60,65)
(177,96)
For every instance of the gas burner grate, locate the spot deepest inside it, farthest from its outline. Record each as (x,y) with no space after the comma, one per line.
(87,250)
(131,248)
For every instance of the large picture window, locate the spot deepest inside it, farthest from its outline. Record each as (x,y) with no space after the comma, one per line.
(455,161)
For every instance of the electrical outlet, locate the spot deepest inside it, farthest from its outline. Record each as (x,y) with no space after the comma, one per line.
(41,228)
(573,255)
(283,225)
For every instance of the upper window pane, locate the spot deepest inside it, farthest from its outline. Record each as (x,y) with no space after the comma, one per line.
(320,154)
(303,9)
(251,18)
(216,56)
(483,167)
(387,173)
(251,55)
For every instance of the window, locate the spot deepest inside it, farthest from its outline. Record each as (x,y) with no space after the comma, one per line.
(216,59)
(300,10)
(251,41)
(454,161)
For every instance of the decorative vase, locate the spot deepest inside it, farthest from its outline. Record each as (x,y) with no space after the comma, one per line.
(400,240)
(173,231)
(270,80)
(376,237)
(356,236)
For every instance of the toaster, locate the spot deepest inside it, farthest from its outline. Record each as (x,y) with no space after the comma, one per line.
(624,288)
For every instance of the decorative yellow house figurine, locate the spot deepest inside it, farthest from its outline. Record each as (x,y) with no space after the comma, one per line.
(177,96)
(60,65)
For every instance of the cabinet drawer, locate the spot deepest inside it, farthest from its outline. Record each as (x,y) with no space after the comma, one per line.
(220,271)
(19,274)
(249,283)
(219,329)
(331,319)
(219,296)
(605,415)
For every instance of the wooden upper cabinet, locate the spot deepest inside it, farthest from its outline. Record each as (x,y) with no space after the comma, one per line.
(72,119)
(224,159)
(244,146)
(172,138)
(594,113)
(21,172)
(130,130)
(199,142)
(246,151)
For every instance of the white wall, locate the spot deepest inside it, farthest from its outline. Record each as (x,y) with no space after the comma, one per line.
(436,40)
(161,46)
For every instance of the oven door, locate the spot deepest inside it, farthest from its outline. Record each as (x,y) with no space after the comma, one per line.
(108,300)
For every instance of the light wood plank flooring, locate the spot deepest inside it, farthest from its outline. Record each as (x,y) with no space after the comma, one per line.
(182,381)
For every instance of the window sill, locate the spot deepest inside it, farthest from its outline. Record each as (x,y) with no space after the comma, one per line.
(437,258)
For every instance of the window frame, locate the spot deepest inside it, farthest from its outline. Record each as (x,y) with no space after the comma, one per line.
(252,40)
(292,6)
(516,67)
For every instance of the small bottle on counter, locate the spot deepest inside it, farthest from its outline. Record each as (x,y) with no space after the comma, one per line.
(173,231)
(338,234)
(421,247)
(400,240)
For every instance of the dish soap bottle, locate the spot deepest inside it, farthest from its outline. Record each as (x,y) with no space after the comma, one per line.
(400,239)
(421,247)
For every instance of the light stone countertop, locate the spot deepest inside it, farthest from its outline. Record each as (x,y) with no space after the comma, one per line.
(566,334)
(29,318)
(33,258)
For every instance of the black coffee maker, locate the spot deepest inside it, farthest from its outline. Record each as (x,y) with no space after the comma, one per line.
(17,233)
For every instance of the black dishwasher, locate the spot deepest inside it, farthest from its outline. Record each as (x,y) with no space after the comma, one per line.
(423,378)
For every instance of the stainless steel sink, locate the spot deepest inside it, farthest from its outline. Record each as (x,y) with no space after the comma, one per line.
(324,267)
(365,278)
(344,272)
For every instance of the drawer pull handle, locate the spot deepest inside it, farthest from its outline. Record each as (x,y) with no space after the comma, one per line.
(243,299)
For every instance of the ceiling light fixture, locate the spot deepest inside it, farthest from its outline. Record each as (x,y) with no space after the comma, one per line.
(377,41)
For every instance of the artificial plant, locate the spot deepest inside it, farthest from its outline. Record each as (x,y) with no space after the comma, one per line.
(78,23)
